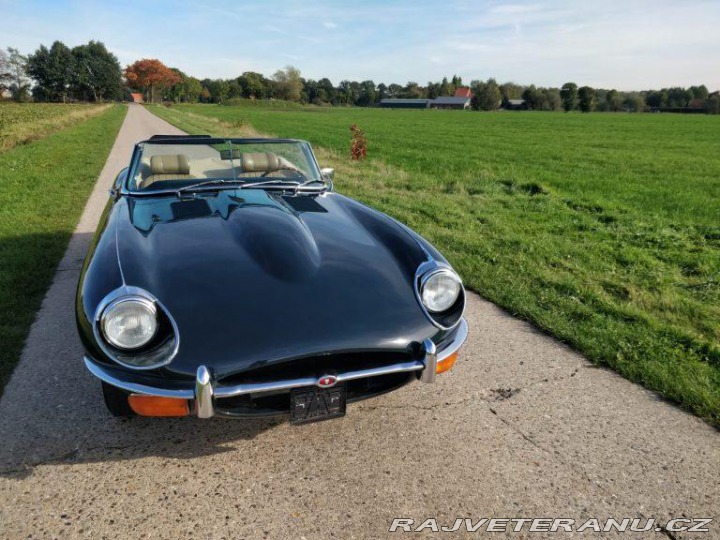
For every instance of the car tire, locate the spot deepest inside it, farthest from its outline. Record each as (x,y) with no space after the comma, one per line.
(116,401)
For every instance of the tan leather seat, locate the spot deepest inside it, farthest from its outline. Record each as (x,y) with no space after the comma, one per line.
(259,162)
(167,167)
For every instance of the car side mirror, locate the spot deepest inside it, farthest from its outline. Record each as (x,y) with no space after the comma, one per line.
(328,173)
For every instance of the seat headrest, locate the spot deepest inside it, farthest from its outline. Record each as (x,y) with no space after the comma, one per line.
(170,164)
(259,162)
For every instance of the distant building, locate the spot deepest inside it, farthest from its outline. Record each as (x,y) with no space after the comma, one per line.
(514,105)
(137,97)
(395,103)
(447,102)
(463,91)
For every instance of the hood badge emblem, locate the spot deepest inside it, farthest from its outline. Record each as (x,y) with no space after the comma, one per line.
(327,381)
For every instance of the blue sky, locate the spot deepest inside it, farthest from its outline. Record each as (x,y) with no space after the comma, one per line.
(609,43)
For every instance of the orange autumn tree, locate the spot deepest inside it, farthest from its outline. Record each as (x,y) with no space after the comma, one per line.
(150,75)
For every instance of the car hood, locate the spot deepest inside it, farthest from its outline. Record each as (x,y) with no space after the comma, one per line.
(254,277)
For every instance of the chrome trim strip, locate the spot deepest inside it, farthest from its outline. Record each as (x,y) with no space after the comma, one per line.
(252,388)
(204,392)
(135,388)
(460,336)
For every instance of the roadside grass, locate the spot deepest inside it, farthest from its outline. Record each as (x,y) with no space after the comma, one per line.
(21,123)
(43,188)
(603,230)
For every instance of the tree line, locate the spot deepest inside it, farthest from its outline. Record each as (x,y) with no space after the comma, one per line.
(87,72)
(92,73)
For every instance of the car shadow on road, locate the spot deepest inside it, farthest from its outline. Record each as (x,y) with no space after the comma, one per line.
(52,409)
(70,441)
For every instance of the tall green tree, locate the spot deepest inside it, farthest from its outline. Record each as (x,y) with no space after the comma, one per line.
(699,92)
(52,69)
(532,98)
(551,99)
(586,99)
(511,90)
(433,90)
(254,85)
(679,97)
(5,75)
(382,91)
(288,84)
(326,91)
(235,90)
(486,95)
(96,75)
(614,101)
(193,89)
(446,89)
(634,102)
(219,89)
(13,75)
(568,94)
(412,90)
(368,94)
(712,104)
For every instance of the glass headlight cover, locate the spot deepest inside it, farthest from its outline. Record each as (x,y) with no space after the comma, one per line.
(440,291)
(129,323)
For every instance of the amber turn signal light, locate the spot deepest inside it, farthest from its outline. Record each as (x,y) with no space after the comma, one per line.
(158,406)
(446,363)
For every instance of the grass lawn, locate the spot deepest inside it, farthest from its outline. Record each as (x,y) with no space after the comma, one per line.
(43,188)
(24,122)
(601,229)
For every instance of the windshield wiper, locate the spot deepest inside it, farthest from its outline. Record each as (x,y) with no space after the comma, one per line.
(215,181)
(278,182)
(242,184)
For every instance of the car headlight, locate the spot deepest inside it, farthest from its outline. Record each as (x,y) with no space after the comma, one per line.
(440,291)
(129,323)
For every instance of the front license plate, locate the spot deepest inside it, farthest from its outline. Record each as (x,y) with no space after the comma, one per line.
(311,404)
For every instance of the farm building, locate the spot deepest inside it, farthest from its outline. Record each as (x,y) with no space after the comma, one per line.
(448,102)
(394,103)
(514,105)
(461,100)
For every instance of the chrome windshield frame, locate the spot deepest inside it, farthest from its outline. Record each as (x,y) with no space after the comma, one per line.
(136,158)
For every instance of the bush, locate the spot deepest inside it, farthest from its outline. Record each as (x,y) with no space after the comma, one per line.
(358,145)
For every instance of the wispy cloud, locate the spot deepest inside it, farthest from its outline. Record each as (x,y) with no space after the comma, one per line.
(330,25)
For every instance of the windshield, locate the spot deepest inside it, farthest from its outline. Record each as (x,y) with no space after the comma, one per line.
(171,165)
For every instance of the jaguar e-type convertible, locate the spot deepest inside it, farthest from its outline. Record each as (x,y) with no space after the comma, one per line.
(228,278)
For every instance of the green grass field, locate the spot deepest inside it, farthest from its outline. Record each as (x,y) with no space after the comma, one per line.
(43,189)
(601,229)
(24,122)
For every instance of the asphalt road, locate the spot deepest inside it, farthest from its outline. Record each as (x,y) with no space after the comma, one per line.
(522,427)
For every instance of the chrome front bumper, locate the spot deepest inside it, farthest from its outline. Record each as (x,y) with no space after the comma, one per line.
(205,392)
